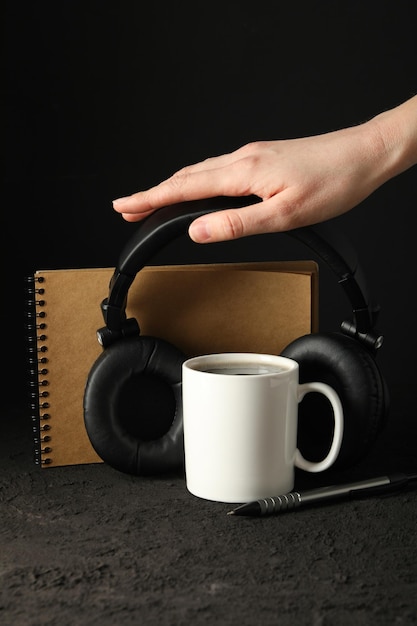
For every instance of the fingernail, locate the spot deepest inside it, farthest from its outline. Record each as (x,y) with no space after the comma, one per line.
(200,231)
(120,201)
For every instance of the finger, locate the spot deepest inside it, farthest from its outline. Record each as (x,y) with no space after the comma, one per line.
(276,214)
(191,183)
(210,163)
(135,217)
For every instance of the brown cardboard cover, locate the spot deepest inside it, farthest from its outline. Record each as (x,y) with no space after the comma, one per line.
(246,307)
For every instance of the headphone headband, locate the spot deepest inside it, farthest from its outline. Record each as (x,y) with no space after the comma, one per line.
(171,222)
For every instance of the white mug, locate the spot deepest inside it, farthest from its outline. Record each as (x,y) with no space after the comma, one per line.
(240,413)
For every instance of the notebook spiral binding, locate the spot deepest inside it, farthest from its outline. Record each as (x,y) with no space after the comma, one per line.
(37,360)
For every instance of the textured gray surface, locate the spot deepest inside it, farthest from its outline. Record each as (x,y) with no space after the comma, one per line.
(87,545)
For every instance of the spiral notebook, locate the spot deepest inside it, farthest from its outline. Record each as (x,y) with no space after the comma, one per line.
(247,307)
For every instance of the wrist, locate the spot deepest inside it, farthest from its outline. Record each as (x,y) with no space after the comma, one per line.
(393,135)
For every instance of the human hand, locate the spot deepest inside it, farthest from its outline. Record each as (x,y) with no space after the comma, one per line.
(300,182)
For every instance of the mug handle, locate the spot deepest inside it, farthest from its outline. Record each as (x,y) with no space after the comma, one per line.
(334,399)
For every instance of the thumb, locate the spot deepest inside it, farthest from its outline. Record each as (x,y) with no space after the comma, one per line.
(223,225)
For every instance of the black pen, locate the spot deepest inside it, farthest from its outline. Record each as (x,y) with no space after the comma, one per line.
(295,499)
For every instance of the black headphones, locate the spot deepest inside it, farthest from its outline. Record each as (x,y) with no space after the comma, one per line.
(132,399)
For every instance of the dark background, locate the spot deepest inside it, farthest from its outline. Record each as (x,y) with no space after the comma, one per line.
(102,99)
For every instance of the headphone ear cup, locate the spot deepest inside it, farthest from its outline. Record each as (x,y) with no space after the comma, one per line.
(344,364)
(133,406)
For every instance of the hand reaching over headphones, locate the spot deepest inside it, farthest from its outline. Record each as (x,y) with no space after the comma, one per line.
(300,181)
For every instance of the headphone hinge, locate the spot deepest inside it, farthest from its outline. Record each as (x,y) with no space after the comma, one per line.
(114,316)
(370,339)
(106,336)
